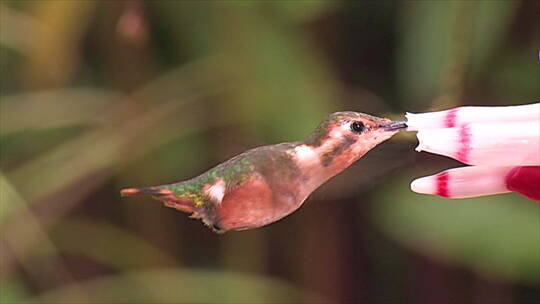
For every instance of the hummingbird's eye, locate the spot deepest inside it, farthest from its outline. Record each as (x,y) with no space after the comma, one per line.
(357,127)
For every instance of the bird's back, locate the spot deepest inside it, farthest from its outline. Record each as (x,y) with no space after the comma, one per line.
(249,190)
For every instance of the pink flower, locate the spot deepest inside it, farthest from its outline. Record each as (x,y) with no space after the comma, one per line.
(501,143)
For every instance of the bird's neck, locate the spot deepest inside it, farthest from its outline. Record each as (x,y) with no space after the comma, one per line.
(321,162)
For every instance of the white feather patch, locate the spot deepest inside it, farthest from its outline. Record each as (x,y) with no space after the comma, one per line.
(306,155)
(216,191)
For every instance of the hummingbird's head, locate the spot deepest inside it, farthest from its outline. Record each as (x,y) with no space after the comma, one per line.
(343,137)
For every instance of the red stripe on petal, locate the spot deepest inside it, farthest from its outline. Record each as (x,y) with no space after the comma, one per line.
(464,144)
(450,119)
(525,180)
(442,184)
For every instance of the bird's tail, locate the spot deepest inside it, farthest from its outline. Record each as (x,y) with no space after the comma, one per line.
(156,191)
(166,196)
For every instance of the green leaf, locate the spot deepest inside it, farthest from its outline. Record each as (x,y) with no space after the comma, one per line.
(54,109)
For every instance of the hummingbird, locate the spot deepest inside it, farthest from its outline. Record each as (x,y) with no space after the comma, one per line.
(265,184)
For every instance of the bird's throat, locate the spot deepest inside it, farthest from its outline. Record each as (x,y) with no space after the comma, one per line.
(320,163)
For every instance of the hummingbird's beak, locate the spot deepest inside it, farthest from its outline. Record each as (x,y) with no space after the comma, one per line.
(394,125)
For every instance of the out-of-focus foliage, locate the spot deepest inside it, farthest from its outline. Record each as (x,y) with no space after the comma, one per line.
(186,286)
(443,39)
(101,95)
(496,235)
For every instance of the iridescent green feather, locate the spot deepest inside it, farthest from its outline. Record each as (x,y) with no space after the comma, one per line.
(233,173)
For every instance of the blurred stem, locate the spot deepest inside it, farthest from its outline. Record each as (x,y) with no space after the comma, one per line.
(454,73)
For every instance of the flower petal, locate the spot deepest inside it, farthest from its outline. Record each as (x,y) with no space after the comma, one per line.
(525,180)
(464,115)
(507,144)
(464,182)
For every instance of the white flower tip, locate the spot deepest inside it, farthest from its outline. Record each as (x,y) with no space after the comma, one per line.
(464,182)
(506,144)
(430,120)
(423,185)
(410,118)
(459,116)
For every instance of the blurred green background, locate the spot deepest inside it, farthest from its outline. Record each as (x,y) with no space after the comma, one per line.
(101,95)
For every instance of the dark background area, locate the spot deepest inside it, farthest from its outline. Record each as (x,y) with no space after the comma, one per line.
(101,95)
